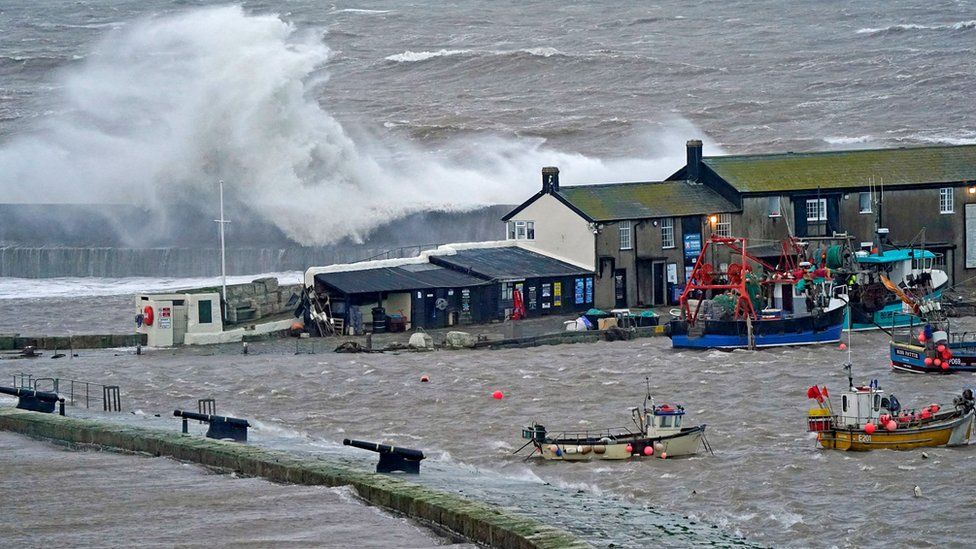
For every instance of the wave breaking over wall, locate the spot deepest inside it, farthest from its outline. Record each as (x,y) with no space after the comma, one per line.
(165,107)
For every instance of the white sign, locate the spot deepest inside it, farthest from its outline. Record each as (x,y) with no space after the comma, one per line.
(673,273)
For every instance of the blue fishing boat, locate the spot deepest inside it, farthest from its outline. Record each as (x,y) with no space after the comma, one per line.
(874,305)
(753,304)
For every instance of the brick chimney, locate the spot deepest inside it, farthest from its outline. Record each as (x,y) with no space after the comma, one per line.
(694,159)
(550,179)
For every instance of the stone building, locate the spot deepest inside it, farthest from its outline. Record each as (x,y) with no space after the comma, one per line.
(641,239)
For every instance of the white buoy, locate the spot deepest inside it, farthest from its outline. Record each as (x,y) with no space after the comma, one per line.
(918,491)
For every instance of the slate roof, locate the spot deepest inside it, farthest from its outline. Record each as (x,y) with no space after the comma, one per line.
(615,201)
(397,279)
(507,263)
(842,169)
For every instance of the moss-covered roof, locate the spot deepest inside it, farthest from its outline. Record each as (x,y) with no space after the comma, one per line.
(842,169)
(644,200)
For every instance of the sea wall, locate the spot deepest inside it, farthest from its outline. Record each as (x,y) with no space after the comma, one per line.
(473,520)
(65,343)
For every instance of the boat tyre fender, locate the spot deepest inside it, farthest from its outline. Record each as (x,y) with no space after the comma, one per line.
(147,315)
(599,449)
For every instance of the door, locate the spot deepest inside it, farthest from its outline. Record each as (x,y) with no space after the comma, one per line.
(179,324)
(620,288)
(657,279)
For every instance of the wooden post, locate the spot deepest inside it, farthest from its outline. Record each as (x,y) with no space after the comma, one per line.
(752,340)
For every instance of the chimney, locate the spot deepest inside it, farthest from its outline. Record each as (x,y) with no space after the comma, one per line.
(694,159)
(550,179)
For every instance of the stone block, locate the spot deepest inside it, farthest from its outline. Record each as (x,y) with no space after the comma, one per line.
(460,340)
(421,341)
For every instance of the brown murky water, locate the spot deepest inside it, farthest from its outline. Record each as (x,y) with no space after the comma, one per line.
(766,481)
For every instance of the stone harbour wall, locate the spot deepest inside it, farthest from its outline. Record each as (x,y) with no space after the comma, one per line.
(473,520)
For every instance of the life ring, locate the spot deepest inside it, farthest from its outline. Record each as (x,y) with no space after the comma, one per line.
(147,315)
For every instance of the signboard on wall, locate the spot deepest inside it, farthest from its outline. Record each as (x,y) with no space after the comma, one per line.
(557,294)
(970,236)
(692,245)
(165,317)
(673,273)
(580,291)
(589,290)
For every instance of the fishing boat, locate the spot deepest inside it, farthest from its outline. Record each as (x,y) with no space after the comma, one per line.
(869,420)
(911,270)
(727,309)
(932,348)
(657,432)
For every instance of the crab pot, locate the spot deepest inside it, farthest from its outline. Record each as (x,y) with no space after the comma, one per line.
(818,420)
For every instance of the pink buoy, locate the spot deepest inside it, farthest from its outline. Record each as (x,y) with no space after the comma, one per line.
(664,455)
(630,449)
(928,361)
(921,337)
(424,379)
(843,346)
(648,450)
(934,407)
(869,428)
(941,348)
(937,362)
(945,365)
(891,425)
(498,395)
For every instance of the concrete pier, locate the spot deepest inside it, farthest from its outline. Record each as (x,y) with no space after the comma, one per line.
(10,342)
(475,521)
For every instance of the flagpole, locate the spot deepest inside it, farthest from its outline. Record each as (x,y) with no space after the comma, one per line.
(223,253)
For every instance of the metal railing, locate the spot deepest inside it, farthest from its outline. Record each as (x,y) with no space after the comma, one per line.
(75,391)
(401,251)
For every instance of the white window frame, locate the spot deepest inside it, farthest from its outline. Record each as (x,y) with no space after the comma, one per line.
(946,202)
(723,227)
(625,230)
(776,211)
(667,233)
(819,216)
(860,203)
(521,230)
(510,230)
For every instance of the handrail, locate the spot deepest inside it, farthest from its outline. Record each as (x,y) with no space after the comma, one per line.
(108,395)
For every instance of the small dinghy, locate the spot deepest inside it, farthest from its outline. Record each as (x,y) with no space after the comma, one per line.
(869,420)
(658,433)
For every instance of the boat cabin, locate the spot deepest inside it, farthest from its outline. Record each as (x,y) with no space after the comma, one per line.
(860,405)
(665,416)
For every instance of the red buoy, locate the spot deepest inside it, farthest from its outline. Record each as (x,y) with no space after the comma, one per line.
(891,425)
(424,379)
(921,337)
(497,395)
(941,348)
(648,450)
(869,428)
(934,407)
(928,361)
(843,346)
(926,413)
(630,449)
(945,365)
(937,362)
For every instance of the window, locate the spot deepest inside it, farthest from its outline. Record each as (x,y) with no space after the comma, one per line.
(817,210)
(625,235)
(774,209)
(945,200)
(521,230)
(507,288)
(667,232)
(723,227)
(205,311)
(864,200)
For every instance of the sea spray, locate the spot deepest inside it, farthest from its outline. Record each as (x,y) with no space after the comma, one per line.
(164,107)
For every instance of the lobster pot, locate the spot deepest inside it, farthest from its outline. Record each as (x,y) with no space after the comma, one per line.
(818,420)
(379,320)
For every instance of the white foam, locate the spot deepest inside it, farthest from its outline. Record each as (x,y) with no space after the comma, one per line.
(32,288)
(847,140)
(960,25)
(413,57)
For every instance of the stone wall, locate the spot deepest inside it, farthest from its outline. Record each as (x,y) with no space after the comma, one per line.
(479,522)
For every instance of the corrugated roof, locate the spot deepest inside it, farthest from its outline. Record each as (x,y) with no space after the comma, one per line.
(645,200)
(840,169)
(507,263)
(396,279)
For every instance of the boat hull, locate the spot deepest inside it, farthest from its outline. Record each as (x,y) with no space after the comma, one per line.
(911,358)
(952,432)
(826,328)
(681,444)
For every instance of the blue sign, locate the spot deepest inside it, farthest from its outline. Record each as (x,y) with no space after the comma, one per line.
(589,290)
(693,245)
(580,284)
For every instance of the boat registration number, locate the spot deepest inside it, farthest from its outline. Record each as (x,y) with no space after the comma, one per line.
(864,438)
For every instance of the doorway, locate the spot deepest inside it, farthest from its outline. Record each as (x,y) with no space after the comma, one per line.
(657,281)
(620,288)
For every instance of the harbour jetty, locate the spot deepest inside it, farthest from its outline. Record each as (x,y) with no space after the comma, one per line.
(472,520)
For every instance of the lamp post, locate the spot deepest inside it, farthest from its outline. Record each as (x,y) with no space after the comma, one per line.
(223,256)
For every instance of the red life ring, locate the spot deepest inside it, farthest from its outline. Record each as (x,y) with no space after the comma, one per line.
(147,315)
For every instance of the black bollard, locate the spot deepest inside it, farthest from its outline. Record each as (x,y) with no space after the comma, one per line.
(34,401)
(392,458)
(221,427)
